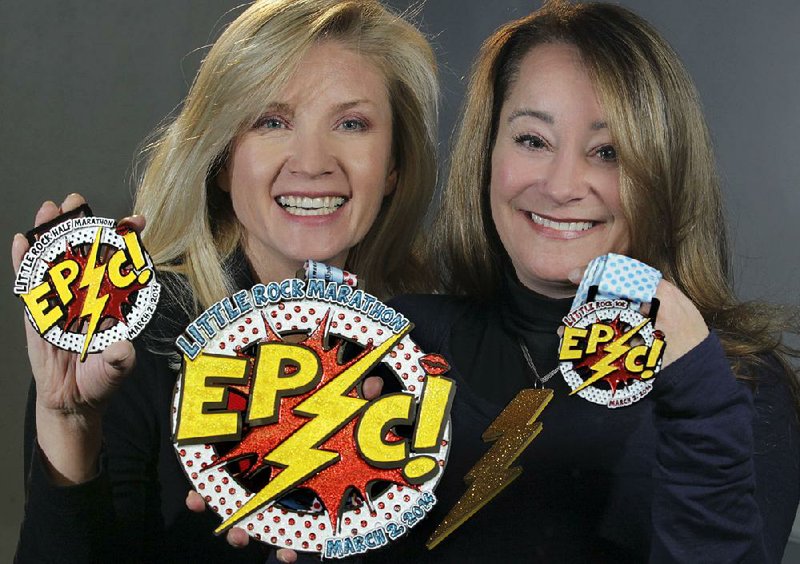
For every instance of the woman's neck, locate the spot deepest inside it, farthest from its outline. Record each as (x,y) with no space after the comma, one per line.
(274,267)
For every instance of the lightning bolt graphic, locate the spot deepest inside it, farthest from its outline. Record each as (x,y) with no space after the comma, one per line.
(615,350)
(513,431)
(92,279)
(330,409)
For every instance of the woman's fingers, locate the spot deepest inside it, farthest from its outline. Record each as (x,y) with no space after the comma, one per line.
(195,502)
(71,202)
(576,275)
(680,320)
(47,212)
(286,555)
(134,222)
(120,357)
(19,246)
(237,537)
(372,387)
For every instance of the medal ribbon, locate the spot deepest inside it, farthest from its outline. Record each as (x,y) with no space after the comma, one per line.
(618,276)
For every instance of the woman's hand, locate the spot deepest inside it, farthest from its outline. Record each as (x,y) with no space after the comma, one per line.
(71,395)
(678,318)
(680,321)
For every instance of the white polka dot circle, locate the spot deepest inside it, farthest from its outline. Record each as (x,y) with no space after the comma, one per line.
(51,248)
(276,524)
(625,394)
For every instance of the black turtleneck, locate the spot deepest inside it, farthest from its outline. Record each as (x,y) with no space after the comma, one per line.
(669,478)
(519,314)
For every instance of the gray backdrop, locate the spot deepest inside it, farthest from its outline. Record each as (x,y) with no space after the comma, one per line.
(84,81)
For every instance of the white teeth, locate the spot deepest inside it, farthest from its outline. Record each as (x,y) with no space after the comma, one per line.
(561,225)
(303,205)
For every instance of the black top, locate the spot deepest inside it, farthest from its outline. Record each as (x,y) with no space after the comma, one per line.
(670,478)
(134,510)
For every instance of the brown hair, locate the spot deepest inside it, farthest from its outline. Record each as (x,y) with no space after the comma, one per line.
(668,179)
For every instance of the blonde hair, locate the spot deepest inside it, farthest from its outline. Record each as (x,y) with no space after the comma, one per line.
(668,182)
(248,65)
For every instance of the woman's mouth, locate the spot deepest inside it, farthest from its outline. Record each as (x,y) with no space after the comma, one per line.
(304,205)
(561,225)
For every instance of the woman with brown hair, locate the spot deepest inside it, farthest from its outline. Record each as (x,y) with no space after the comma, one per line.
(582,135)
(308,133)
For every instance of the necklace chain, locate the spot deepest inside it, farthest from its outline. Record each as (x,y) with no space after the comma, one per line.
(539,381)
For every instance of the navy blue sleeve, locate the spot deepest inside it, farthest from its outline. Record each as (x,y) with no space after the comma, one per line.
(62,523)
(777,458)
(704,505)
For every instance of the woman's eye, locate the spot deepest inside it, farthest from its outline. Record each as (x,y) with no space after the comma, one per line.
(271,122)
(607,153)
(530,141)
(352,124)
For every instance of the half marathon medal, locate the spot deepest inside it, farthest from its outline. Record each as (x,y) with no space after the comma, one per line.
(86,282)
(271,424)
(610,352)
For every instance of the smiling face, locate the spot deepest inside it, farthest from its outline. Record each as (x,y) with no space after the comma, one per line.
(554,188)
(307,181)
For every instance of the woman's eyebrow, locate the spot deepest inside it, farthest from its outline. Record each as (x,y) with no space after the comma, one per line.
(351,104)
(538,114)
(548,118)
(280,107)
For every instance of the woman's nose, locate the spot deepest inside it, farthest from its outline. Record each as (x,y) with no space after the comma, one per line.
(567,178)
(310,155)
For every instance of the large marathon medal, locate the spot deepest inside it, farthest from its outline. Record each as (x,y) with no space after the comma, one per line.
(272,427)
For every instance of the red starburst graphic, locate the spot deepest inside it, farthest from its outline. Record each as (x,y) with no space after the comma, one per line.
(119,299)
(333,484)
(620,374)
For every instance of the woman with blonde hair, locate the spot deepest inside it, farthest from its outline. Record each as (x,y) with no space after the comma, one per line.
(309,133)
(582,135)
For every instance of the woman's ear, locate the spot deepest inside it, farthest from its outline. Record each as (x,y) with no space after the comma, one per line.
(391,182)
(222,178)
(220,169)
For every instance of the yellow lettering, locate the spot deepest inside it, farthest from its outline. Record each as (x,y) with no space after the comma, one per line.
(381,415)
(201,418)
(433,408)
(570,343)
(37,307)
(115,270)
(282,369)
(63,274)
(632,363)
(599,333)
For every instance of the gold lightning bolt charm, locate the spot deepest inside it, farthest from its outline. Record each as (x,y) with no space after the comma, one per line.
(511,432)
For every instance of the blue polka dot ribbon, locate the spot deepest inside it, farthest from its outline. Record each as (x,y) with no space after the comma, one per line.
(320,271)
(618,276)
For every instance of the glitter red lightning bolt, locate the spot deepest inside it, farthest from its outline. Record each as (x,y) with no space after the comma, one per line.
(333,483)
